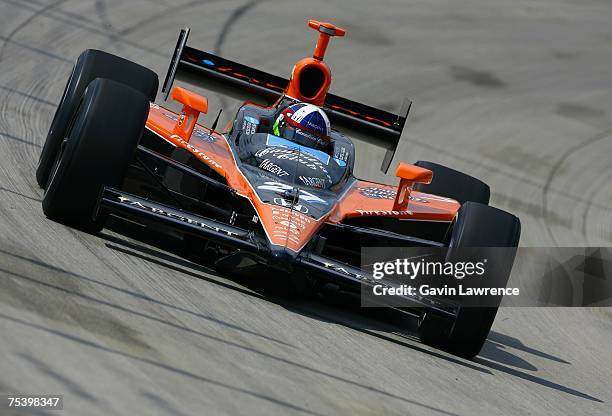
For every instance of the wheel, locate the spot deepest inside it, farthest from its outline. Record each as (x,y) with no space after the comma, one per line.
(90,65)
(485,228)
(453,184)
(100,144)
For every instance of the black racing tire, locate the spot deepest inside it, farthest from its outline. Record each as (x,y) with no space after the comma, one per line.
(90,65)
(487,229)
(453,184)
(100,144)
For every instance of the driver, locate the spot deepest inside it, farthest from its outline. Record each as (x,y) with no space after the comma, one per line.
(304,124)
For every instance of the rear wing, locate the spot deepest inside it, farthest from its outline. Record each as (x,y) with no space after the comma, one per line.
(204,69)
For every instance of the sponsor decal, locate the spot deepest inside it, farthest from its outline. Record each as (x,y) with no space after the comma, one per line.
(341,155)
(204,135)
(197,152)
(289,154)
(287,224)
(281,188)
(341,269)
(367,279)
(287,204)
(271,167)
(377,193)
(176,216)
(417,199)
(321,156)
(281,153)
(249,125)
(314,182)
(384,193)
(383,212)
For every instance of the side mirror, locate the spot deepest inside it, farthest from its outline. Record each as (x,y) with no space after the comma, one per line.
(193,105)
(409,175)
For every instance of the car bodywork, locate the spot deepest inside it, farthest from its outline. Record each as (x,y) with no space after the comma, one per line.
(265,210)
(313,208)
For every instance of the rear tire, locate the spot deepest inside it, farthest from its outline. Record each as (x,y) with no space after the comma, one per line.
(454,184)
(486,228)
(90,65)
(102,138)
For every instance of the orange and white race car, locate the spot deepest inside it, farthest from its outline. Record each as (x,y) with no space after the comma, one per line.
(259,190)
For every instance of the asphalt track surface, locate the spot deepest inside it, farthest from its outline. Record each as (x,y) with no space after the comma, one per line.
(518,93)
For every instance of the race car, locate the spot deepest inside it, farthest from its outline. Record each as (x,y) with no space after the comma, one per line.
(252,193)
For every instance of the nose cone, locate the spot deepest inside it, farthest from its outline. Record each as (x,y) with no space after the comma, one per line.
(282,257)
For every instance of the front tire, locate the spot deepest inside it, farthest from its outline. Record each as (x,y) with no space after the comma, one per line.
(100,144)
(90,65)
(487,229)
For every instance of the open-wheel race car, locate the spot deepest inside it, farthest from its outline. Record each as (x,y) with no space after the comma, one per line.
(275,188)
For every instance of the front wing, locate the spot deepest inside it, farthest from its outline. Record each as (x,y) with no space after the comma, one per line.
(344,275)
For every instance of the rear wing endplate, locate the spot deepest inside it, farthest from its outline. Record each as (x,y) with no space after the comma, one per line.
(197,67)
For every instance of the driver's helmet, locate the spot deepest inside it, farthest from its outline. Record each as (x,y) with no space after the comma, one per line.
(304,124)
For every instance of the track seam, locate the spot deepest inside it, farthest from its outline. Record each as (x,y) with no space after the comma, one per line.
(553,172)
(26,22)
